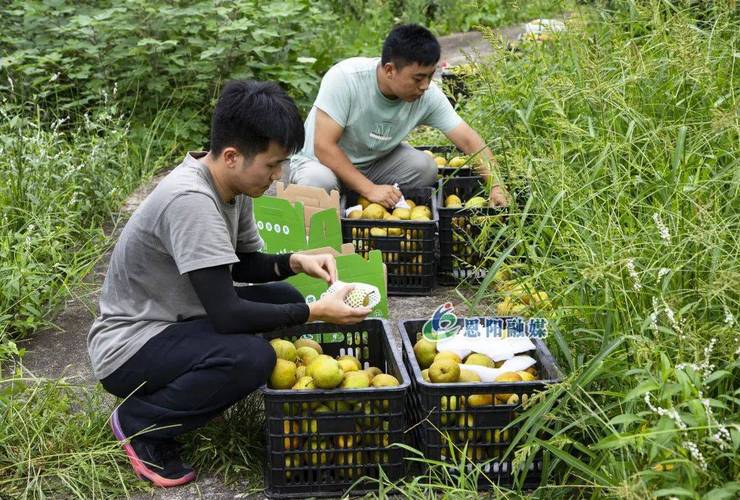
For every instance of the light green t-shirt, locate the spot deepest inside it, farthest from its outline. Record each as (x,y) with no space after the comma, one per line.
(373,124)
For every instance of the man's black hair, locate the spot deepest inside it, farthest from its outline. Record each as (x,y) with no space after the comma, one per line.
(249,114)
(408,44)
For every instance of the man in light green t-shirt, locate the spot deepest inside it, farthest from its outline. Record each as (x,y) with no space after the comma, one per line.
(365,109)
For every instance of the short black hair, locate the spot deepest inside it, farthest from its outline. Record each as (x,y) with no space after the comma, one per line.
(249,114)
(408,44)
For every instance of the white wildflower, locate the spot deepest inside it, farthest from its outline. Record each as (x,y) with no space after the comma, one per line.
(695,453)
(665,235)
(729,318)
(633,274)
(54,77)
(670,413)
(672,320)
(663,271)
(10,81)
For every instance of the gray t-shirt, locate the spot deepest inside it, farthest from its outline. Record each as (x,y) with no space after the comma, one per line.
(182,226)
(373,124)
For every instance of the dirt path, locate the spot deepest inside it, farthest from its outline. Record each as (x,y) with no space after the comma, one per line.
(61,352)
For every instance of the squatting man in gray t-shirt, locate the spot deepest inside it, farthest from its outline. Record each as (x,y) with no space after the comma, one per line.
(367,106)
(175,336)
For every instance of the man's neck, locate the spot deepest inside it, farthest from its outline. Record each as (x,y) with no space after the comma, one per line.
(226,195)
(383,85)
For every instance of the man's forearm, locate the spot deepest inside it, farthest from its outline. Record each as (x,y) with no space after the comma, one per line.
(338,162)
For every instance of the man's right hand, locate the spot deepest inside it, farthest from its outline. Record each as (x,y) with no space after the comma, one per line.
(383,194)
(332,309)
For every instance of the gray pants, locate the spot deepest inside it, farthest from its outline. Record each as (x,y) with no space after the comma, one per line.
(404,165)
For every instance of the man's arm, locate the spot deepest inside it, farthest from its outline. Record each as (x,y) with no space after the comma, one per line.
(470,142)
(327,133)
(232,314)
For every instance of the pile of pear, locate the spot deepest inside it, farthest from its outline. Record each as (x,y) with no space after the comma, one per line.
(376,211)
(447,367)
(302,365)
(455,162)
(518,296)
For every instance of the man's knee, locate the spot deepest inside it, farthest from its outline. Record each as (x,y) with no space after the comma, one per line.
(424,167)
(315,174)
(253,363)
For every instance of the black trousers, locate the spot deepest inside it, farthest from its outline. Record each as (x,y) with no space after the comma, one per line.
(189,373)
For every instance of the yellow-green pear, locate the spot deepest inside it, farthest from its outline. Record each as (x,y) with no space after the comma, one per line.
(284,349)
(479,359)
(301,342)
(384,380)
(444,371)
(425,351)
(283,375)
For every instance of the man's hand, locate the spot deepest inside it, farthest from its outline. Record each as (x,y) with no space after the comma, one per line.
(384,194)
(498,197)
(322,266)
(332,309)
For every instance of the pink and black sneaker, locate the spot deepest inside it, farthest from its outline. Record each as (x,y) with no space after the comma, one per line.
(157,461)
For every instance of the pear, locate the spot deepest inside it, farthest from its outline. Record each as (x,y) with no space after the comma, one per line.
(373,211)
(468,376)
(353,359)
(507,377)
(355,380)
(304,383)
(306,354)
(448,355)
(378,232)
(425,351)
(480,400)
(457,162)
(303,341)
(364,202)
(402,213)
(479,360)
(444,371)
(355,214)
(326,372)
(420,211)
(426,151)
(410,203)
(284,349)
(475,202)
(453,201)
(347,365)
(372,371)
(440,161)
(283,375)
(526,376)
(384,380)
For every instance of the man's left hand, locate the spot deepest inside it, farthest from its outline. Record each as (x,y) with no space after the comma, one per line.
(322,266)
(498,197)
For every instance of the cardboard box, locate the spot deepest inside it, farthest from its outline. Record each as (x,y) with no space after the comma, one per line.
(298,218)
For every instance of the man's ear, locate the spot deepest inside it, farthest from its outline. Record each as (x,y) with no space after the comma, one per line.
(389,69)
(230,156)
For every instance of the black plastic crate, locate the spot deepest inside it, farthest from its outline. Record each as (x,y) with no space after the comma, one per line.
(408,256)
(458,260)
(439,410)
(448,152)
(322,454)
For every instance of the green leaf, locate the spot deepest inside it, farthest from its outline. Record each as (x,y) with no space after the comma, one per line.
(642,388)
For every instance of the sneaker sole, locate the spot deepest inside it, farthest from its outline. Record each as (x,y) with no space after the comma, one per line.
(140,468)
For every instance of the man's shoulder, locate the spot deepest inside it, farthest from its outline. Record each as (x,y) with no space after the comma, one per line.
(356,66)
(186,180)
